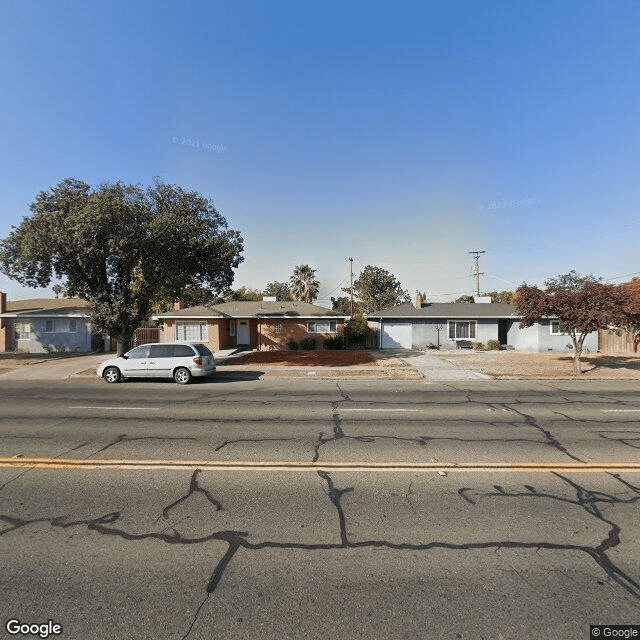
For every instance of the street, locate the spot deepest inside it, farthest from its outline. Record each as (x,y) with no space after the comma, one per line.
(191,550)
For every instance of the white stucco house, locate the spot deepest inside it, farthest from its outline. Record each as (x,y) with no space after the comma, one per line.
(44,325)
(452,325)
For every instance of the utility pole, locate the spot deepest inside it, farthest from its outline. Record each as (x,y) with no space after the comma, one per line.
(476,268)
(351,283)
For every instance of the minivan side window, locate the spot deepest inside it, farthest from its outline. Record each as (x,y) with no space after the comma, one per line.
(161,351)
(139,352)
(182,351)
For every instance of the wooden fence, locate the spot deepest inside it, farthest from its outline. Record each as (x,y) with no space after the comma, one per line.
(143,335)
(617,341)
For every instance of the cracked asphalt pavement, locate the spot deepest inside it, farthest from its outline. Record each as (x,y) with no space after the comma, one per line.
(315,554)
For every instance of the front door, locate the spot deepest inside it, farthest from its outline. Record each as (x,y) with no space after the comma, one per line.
(244,332)
(503,331)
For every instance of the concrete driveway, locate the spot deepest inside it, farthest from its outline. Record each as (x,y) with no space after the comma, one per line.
(436,369)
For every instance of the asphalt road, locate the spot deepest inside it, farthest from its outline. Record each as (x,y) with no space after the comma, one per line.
(201,552)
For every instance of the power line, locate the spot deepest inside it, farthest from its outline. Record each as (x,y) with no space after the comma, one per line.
(625,276)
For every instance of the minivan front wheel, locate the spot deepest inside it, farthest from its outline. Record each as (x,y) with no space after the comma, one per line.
(182,376)
(111,374)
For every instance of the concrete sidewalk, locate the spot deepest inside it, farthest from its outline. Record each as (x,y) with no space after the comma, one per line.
(58,369)
(421,364)
(86,365)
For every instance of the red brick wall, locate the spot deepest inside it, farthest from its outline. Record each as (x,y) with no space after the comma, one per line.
(262,334)
(292,329)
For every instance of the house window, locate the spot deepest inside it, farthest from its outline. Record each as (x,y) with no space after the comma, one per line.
(192,331)
(22,330)
(557,329)
(462,329)
(232,327)
(322,326)
(277,329)
(61,325)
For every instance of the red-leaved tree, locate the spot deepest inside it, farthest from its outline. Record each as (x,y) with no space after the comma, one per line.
(582,304)
(630,292)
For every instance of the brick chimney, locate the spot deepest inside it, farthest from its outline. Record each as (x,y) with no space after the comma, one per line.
(417,303)
(178,304)
(3,302)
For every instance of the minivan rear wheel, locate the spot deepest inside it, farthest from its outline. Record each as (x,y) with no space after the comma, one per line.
(182,376)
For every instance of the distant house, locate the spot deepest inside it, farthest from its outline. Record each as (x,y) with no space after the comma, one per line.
(44,325)
(261,325)
(455,325)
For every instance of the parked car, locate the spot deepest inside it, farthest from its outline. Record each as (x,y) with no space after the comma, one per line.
(181,361)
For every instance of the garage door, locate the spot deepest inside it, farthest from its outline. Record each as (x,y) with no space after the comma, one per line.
(396,336)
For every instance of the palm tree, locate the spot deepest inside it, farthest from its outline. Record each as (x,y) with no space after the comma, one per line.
(304,285)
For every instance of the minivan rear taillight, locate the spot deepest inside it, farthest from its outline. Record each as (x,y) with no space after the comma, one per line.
(197,361)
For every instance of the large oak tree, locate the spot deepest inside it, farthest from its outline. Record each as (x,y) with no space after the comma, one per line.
(122,247)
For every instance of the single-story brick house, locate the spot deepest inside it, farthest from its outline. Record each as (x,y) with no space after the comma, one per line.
(263,325)
(452,325)
(45,325)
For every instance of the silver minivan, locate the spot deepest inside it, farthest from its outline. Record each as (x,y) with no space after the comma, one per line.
(178,360)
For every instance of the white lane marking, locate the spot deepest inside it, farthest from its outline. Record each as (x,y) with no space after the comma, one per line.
(379,410)
(121,408)
(618,410)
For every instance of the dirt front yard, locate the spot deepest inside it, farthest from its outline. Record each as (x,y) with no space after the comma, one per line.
(13,360)
(519,364)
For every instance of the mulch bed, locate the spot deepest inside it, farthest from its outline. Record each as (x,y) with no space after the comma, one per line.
(309,358)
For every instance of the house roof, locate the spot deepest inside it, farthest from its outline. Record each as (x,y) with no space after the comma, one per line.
(40,307)
(448,310)
(254,309)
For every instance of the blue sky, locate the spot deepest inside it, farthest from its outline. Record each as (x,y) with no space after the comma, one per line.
(401,134)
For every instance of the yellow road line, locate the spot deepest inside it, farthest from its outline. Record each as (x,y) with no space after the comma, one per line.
(249,465)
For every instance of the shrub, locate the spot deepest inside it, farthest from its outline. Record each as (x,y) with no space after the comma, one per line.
(308,344)
(293,345)
(356,332)
(334,342)
(478,346)
(494,345)
(430,345)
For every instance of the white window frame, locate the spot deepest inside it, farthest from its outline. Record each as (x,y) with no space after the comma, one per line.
(232,327)
(559,332)
(277,328)
(473,329)
(312,326)
(61,325)
(22,333)
(192,331)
